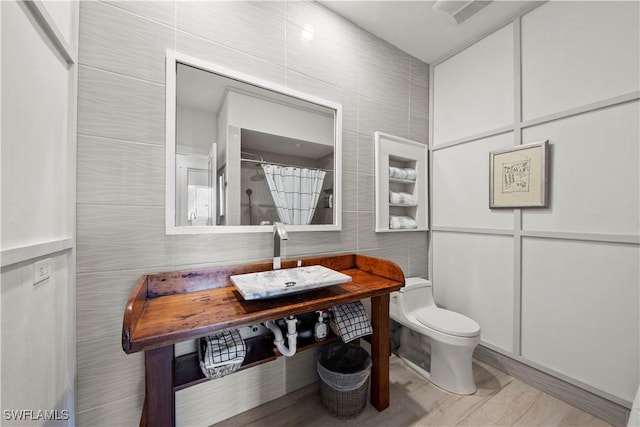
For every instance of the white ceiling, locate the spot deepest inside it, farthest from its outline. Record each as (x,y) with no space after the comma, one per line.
(414,27)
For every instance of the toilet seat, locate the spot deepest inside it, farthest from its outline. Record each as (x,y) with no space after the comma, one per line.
(447,322)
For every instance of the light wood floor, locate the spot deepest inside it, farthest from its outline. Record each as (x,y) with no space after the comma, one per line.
(500,400)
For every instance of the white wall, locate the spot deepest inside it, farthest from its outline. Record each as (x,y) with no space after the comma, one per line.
(567,72)
(196,130)
(278,118)
(39,47)
(121,235)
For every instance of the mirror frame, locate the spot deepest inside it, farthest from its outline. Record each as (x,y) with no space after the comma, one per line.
(172,59)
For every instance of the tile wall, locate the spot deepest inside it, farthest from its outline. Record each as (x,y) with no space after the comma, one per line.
(120,200)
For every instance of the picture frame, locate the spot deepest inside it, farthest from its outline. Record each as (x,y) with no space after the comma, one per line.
(518,176)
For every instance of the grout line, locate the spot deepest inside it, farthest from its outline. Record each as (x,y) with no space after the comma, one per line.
(120,140)
(114,4)
(115,73)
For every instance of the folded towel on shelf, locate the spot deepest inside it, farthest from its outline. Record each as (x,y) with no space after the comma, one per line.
(402,173)
(402,222)
(351,321)
(221,354)
(400,198)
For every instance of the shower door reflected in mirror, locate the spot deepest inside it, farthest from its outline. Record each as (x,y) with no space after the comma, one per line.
(243,153)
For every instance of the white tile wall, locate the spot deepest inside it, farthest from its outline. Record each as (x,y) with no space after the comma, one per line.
(110,172)
(121,169)
(161,11)
(99,299)
(330,52)
(211,51)
(347,97)
(121,237)
(123,43)
(374,116)
(106,374)
(263,33)
(116,106)
(384,73)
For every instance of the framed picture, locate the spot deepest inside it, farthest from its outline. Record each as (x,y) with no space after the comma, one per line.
(518,176)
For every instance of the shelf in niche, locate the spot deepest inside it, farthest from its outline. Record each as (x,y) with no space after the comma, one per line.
(394,151)
(401,181)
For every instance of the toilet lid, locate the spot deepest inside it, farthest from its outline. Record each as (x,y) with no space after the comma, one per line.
(448,322)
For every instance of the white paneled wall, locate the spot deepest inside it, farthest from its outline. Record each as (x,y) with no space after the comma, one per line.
(570,268)
(30,82)
(594,170)
(473,274)
(585,293)
(578,54)
(39,76)
(460,198)
(120,209)
(466,103)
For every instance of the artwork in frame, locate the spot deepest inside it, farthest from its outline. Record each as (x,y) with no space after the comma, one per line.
(518,176)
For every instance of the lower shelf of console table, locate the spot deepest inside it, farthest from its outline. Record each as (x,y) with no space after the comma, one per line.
(259,350)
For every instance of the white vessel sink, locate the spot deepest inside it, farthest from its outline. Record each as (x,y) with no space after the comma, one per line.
(289,281)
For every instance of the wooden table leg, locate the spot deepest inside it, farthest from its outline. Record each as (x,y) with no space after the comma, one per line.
(380,352)
(159,399)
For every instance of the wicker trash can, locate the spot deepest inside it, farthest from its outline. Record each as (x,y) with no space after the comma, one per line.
(344,370)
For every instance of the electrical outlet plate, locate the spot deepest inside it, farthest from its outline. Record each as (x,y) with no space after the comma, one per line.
(41,270)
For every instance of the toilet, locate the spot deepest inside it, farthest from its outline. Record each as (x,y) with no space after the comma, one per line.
(453,337)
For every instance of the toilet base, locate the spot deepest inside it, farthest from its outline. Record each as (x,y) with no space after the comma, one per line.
(452,368)
(447,365)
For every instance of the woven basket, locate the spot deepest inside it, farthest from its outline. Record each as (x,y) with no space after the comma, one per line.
(344,404)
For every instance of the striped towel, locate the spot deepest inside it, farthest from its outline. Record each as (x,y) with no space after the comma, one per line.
(221,354)
(351,320)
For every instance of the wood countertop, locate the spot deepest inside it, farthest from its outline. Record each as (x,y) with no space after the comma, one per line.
(167,308)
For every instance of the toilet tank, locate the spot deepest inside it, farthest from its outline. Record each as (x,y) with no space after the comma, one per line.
(415,294)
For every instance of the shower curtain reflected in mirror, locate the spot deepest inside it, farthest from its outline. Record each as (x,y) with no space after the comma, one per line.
(295,191)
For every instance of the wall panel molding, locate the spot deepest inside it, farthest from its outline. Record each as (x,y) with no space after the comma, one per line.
(48,25)
(26,253)
(607,103)
(558,235)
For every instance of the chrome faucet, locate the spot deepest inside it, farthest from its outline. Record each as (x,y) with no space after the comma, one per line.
(279,234)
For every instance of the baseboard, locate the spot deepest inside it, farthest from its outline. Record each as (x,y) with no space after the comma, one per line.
(593,404)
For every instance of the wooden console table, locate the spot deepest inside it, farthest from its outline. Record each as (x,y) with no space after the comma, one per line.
(168,308)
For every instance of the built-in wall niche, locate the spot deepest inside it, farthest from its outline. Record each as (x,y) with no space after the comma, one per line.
(401,184)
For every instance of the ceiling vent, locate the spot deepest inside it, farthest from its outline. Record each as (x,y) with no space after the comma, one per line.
(460,11)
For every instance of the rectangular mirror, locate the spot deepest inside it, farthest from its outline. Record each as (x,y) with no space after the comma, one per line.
(242,153)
